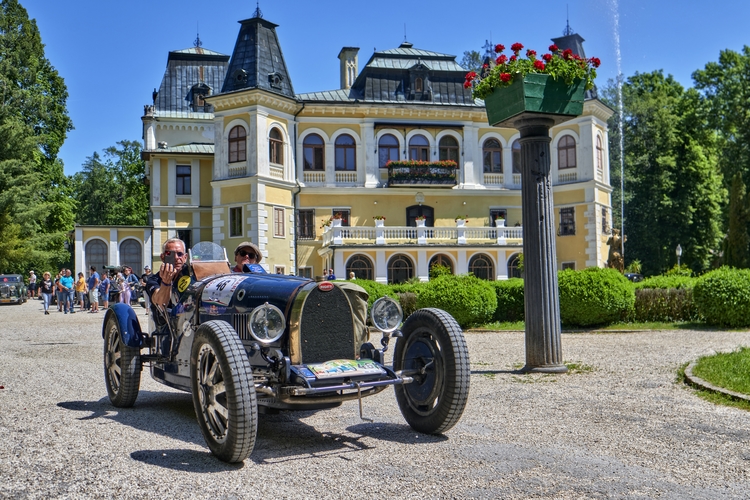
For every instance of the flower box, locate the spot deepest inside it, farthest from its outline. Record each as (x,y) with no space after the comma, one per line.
(534,95)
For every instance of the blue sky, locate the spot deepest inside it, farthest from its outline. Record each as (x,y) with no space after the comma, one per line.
(113,54)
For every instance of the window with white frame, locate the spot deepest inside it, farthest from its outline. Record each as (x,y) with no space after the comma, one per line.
(237,144)
(567,221)
(566,152)
(569,265)
(278,222)
(235,221)
(275,147)
(183,180)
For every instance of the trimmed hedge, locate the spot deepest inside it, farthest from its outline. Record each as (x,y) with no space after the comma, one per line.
(722,297)
(470,300)
(376,290)
(594,296)
(509,300)
(664,304)
(667,281)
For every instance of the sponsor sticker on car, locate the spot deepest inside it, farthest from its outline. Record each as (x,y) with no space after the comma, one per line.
(345,368)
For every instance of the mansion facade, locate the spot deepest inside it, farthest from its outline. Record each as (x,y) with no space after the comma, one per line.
(395,171)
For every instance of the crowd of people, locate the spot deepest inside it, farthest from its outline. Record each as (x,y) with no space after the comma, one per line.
(86,294)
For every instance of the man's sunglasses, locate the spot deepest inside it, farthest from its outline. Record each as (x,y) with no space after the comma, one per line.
(177,254)
(244,253)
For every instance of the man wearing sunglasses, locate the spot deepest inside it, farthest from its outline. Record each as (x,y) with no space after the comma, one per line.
(246,253)
(159,285)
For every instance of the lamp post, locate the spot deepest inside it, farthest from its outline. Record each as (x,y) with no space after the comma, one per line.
(678,251)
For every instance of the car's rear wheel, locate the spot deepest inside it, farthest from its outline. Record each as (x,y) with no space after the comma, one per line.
(223,391)
(122,366)
(433,351)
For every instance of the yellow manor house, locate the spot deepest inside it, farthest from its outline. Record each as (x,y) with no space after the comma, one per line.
(233,154)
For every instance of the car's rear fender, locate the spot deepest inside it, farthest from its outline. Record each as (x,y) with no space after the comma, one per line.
(130,329)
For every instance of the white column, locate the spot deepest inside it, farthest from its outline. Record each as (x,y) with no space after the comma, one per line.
(372,172)
(79,250)
(472,168)
(147,247)
(462,266)
(381,267)
(195,182)
(114,254)
(423,269)
(156,182)
(171,176)
(502,265)
(258,153)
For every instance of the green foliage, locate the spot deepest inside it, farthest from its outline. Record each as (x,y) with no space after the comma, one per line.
(594,296)
(737,244)
(470,300)
(667,281)
(635,266)
(674,189)
(681,270)
(110,190)
(437,270)
(471,61)
(376,290)
(408,302)
(510,305)
(723,297)
(664,304)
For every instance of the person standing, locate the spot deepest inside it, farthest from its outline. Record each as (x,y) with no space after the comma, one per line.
(59,290)
(80,288)
(104,291)
(94,290)
(144,278)
(66,283)
(46,289)
(32,285)
(331,276)
(129,281)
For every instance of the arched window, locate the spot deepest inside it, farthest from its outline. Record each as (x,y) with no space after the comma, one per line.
(493,156)
(419,148)
(418,85)
(448,149)
(513,266)
(313,152)
(566,152)
(346,153)
(237,144)
(387,150)
(441,260)
(599,153)
(131,255)
(361,266)
(516,148)
(275,147)
(400,269)
(480,265)
(96,255)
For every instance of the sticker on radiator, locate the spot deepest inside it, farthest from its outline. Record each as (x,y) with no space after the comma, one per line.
(345,368)
(219,292)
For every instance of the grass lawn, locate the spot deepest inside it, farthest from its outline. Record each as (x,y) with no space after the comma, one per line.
(730,370)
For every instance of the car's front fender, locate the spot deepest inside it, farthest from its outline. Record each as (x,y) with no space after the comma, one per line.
(130,328)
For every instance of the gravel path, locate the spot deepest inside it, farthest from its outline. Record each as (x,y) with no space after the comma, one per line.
(620,428)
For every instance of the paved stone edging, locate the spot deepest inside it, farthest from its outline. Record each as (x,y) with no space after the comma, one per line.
(702,384)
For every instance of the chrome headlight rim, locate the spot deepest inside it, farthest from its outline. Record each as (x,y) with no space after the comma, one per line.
(379,308)
(256,322)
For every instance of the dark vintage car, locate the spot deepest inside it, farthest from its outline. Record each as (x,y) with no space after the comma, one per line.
(12,289)
(248,342)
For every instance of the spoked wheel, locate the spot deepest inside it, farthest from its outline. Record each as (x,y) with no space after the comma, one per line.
(122,367)
(223,391)
(432,351)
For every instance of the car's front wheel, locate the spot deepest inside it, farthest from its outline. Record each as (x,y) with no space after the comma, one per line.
(122,366)
(433,351)
(223,391)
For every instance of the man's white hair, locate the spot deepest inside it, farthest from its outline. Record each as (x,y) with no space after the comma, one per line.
(173,240)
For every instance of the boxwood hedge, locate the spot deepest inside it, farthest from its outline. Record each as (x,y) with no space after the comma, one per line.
(470,300)
(594,296)
(509,300)
(723,297)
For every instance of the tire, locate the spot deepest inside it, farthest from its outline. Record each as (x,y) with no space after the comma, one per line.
(223,391)
(435,401)
(122,367)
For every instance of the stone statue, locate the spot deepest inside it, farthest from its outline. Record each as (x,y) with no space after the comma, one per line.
(616,261)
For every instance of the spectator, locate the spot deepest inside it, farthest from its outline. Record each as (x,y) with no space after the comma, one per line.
(104,291)
(331,276)
(352,276)
(66,283)
(59,290)
(80,288)
(32,285)
(129,283)
(93,284)
(46,289)
(144,278)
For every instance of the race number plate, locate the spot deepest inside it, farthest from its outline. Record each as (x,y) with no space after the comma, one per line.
(345,368)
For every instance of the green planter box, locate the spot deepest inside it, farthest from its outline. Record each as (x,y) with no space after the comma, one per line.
(534,95)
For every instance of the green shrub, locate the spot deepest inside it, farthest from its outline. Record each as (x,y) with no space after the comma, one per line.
(470,300)
(509,300)
(594,296)
(408,301)
(664,304)
(667,281)
(376,290)
(722,297)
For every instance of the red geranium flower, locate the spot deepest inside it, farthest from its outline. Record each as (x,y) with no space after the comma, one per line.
(530,53)
(547,57)
(567,54)
(539,65)
(505,77)
(553,48)
(470,75)
(485,65)
(499,48)
(516,47)
(502,59)
(513,58)
(467,84)
(595,62)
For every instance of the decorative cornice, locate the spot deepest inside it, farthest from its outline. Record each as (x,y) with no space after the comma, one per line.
(232,100)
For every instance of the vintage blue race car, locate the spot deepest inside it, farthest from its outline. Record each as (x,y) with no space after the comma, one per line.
(247,342)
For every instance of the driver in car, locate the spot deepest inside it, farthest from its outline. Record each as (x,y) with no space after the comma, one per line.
(159,285)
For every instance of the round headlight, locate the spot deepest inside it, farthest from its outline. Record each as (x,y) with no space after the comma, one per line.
(386,314)
(267,323)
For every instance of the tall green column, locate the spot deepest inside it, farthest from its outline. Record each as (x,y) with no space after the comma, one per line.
(541,295)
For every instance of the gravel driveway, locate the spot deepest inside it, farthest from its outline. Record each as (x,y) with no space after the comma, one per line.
(621,427)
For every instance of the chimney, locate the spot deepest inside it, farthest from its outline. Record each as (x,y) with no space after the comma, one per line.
(349,66)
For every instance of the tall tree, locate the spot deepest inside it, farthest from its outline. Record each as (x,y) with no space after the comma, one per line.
(471,61)
(674,190)
(110,189)
(33,124)
(737,248)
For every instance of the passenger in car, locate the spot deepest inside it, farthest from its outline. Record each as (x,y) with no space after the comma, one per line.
(246,253)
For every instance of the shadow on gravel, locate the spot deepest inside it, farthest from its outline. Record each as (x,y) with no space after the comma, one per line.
(395,433)
(184,460)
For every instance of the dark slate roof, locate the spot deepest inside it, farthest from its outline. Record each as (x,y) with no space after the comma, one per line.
(185,69)
(390,76)
(574,42)
(257,61)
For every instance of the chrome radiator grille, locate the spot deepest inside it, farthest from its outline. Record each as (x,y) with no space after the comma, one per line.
(241,324)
